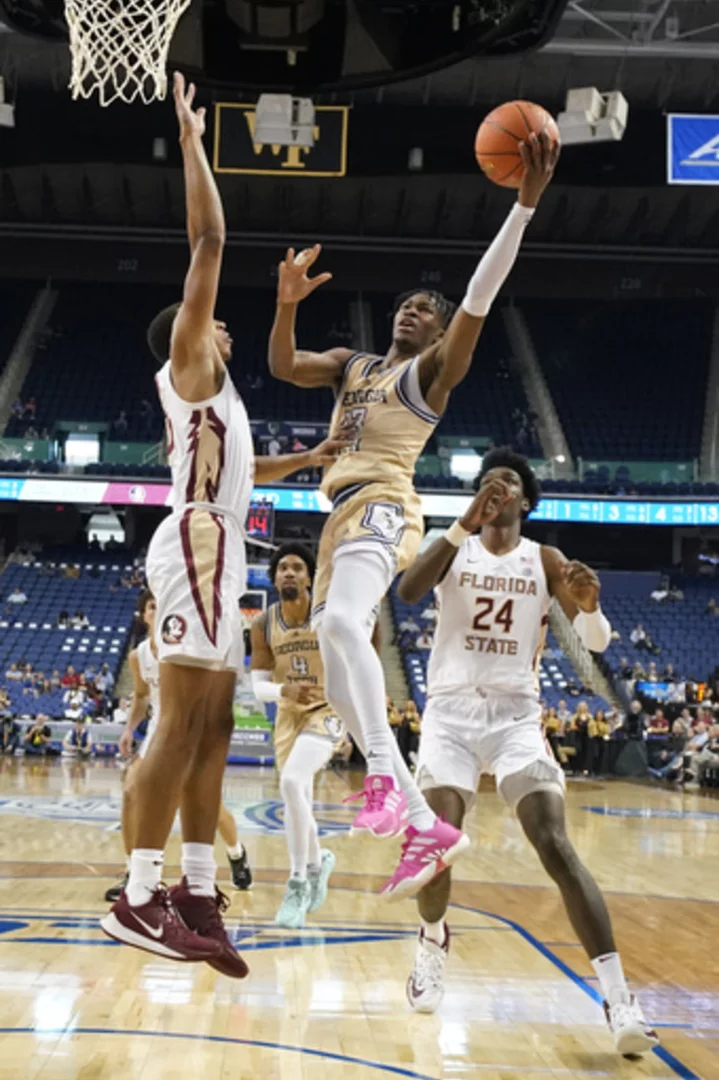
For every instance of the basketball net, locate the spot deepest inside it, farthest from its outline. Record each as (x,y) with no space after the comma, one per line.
(119,47)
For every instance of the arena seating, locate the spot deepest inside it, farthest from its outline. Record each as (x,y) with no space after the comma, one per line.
(29,631)
(557,676)
(15,300)
(687,637)
(612,370)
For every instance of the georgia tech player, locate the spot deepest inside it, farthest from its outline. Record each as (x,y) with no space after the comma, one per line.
(388,406)
(287,669)
(494,589)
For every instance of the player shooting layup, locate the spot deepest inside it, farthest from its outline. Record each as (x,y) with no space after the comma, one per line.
(196,568)
(388,407)
(494,589)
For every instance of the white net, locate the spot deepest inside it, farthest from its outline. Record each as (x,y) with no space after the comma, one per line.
(119,47)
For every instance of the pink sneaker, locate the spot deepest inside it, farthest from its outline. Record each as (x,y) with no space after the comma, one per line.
(384,813)
(424,855)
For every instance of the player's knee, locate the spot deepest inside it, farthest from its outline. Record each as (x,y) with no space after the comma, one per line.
(291,786)
(555,850)
(341,629)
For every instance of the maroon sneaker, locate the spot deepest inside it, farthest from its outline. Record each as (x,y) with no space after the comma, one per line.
(203,914)
(156,927)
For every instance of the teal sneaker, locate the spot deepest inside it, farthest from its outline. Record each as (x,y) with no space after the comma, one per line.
(295,904)
(319,880)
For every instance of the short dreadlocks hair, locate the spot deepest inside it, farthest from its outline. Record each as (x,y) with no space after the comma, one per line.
(292,548)
(503,457)
(159,332)
(445,308)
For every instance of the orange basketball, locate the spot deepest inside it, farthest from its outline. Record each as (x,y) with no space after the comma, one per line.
(499,136)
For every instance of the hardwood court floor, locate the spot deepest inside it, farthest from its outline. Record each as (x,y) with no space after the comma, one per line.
(328,1001)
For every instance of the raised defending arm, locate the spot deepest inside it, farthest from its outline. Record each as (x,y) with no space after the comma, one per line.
(193,352)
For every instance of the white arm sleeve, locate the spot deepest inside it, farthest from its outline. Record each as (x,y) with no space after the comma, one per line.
(496,263)
(593,629)
(264,688)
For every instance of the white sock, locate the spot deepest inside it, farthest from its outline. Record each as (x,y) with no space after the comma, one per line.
(235,852)
(435,932)
(145,875)
(610,973)
(340,693)
(308,756)
(199,867)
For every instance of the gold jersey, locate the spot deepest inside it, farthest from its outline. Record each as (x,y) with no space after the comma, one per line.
(382,411)
(296,653)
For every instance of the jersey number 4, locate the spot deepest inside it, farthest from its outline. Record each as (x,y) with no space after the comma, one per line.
(504,617)
(300,666)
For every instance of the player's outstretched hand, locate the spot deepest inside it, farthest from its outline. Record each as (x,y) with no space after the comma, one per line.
(326,452)
(540,156)
(192,122)
(487,504)
(582,584)
(301,693)
(293,284)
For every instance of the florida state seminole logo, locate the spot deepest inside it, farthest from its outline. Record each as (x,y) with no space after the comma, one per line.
(174,629)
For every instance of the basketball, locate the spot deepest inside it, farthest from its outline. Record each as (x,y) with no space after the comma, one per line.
(499,135)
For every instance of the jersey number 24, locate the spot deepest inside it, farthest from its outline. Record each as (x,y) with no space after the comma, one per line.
(483,619)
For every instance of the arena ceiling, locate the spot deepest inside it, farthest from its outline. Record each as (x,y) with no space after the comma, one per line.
(662,55)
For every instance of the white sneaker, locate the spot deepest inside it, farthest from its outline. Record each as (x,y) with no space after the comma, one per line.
(425,986)
(631,1032)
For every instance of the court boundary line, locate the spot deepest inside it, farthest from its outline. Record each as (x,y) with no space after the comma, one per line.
(661,1052)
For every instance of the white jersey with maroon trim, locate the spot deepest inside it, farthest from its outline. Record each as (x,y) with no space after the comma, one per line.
(493,616)
(149,666)
(209,449)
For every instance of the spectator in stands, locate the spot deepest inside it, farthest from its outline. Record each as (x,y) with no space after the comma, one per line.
(711,608)
(119,425)
(675,593)
(671,756)
(553,730)
(104,681)
(9,734)
(80,621)
(638,637)
(709,756)
(409,625)
(78,741)
(413,723)
(121,712)
(580,737)
(638,671)
(63,620)
(625,669)
(599,732)
(71,573)
(55,680)
(658,724)
(16,598)
(13,673)
(30,409)
(636,722)
(74,701)
(685,719)
(563,715)
(693,751)
(669,674)
(661,593)
(70,679)
(430,613)
(394,717)
(94,543)
(424,641)
(37,737)
(652,673)
(274,447)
